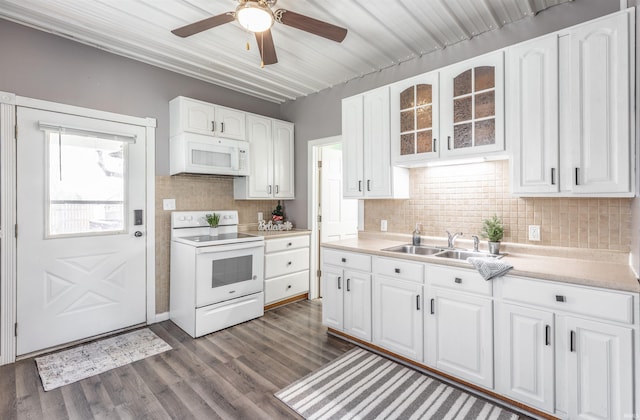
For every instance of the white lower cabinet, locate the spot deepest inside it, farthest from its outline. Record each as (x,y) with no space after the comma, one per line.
(286,268)
(346,293)
(524,348)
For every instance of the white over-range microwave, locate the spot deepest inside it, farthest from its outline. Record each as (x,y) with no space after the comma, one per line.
(199,154)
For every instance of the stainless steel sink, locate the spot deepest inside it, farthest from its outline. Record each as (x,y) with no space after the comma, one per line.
(415,250)
(461,254)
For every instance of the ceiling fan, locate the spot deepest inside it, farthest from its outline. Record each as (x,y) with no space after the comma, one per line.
(257,16)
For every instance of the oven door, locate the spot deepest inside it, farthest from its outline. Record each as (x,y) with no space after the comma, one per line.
(226,272)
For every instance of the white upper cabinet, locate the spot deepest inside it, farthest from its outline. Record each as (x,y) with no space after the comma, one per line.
(193,116)
(472,106)
(415,129)
(272,160)
(597,105)
(367,165)
(569,111)
(532,115)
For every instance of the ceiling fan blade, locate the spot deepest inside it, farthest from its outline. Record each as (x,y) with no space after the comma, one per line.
(266,47)
(204,24)
(311,25)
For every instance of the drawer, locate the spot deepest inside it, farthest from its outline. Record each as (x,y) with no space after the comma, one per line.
(459,279)
(287,262)
(346,259)
(597,303)
(279,288)
(285,244)
(399,269)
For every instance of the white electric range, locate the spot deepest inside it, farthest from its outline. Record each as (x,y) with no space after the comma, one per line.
(216,281)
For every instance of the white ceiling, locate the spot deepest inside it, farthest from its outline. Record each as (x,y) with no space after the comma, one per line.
(382,33)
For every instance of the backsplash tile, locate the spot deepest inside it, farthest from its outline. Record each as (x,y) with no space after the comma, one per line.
(194,192)
(459,197)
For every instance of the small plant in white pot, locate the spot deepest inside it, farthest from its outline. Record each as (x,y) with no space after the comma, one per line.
(213,220)
(493,231)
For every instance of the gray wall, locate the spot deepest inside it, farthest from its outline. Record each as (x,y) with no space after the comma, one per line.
(39,65)
(318,115)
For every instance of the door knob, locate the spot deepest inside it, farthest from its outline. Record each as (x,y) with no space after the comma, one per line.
(137,234)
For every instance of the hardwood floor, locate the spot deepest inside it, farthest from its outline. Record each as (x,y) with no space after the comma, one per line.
(230,374)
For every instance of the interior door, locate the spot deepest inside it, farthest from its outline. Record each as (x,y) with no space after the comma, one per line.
(339,215)
(81,219)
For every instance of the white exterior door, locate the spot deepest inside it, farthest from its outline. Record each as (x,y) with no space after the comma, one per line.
(339,215)
(357,304)
(81,220)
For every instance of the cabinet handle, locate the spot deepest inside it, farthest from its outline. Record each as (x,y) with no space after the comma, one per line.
(553,176)
(289,244)
(432,306)
(288,287)
(277,189)
(289,263)
(222,127)
(397,270)
(435,144)
(360,185)
(458,280)
(348,285)
(269,187)
(547,335)
(368,185)
(339,283)
(448,142)
(572,339)
(560,298)
(417,302)
(577,176)
(213,126)
(344,260)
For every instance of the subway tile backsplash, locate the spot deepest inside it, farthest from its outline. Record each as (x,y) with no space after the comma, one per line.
(458,198)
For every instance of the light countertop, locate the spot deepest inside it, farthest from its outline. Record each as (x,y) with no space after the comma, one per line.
(610,273)
(272,234)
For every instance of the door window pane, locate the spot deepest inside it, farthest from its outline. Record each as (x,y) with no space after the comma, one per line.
(86,185)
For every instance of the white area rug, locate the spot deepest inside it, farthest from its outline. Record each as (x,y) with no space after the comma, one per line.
(81,362)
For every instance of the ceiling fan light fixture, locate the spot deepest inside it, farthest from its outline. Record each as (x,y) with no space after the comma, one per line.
(254,17)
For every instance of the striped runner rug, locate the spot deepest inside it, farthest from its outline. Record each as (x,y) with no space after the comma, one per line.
(363,385)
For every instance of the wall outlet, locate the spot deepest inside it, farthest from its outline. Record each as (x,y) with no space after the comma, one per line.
(169,204)
(534,232)
(260,216)
(383,225)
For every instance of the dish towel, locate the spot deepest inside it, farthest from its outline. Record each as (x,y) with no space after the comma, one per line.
(490,267)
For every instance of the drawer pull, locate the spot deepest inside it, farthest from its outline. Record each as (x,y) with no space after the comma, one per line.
(418,302)
(458,280)
(348,285)
(288,287)
(344,260)
(432,306)
(289,263)
(397,270)
(560,298)
(289,244)
(339,283)
(572,339)
(547,335)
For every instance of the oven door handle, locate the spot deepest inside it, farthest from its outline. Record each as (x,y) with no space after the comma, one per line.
(229,247)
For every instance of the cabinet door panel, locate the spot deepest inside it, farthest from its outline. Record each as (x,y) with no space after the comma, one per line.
(524,351)
(532,115)
(332,297)
(377,154)
(352,147)
(230,123)
(600,370)
(259,135)
(283,158)
(599,106)
(357,304)
(197,117)
(461,332)
(397,316)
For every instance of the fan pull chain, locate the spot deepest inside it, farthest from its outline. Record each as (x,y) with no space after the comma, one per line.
(262,50)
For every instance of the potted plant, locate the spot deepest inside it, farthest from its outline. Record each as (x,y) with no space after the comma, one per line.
(213,220)
(493,230)
(277,215)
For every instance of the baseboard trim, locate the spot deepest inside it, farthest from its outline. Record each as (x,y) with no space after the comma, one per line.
(303,296)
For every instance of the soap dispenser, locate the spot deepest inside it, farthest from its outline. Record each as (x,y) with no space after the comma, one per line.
(416,235)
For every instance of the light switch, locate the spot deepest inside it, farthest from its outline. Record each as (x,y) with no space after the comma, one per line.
(169,204)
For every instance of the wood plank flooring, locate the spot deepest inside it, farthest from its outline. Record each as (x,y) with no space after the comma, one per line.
(230,374)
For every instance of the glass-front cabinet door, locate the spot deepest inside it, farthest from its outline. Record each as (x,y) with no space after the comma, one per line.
(472,106)
(415,130)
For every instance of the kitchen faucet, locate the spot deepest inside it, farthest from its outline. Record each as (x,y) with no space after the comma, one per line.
(451,239)
(476,242)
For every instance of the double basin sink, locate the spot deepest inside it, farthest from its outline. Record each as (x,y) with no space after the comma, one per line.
(453,254)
